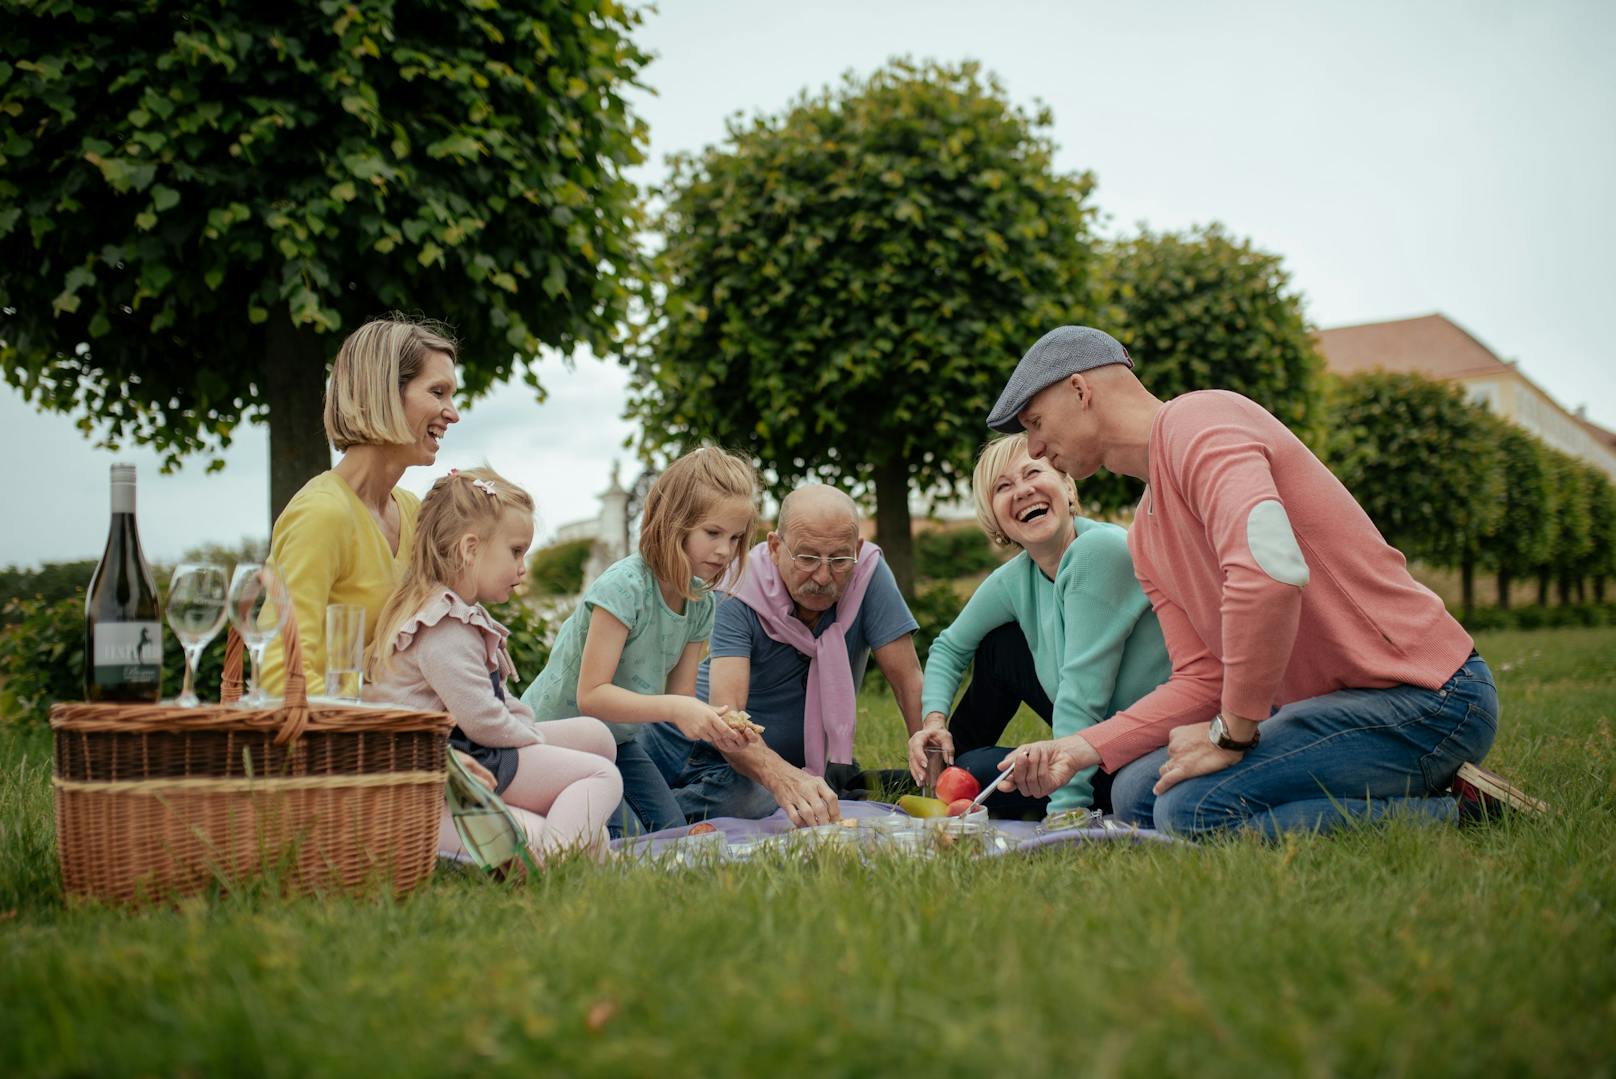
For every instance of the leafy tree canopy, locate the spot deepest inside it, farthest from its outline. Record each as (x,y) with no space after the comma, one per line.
(1573,537)
(846,286)
(558,570)
(1524,537)
(1421,460)
(1601,558)
(1202,310)
(198,201)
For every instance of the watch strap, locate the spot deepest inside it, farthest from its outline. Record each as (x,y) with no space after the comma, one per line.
(1220,737)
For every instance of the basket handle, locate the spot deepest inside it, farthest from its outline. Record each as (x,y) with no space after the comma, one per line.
(295,702)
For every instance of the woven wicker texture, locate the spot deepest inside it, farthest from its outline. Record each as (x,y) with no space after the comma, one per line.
(154,801)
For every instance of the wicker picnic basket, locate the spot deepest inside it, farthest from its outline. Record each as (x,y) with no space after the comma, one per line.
(155,802)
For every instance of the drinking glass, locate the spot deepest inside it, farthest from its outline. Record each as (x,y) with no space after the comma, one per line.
(258,610)
(196,599)
(344,651)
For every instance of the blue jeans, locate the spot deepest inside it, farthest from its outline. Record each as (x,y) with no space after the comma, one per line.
(1325,762)
(703,783)
(648,805)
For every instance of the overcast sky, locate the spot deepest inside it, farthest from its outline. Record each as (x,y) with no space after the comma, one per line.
(1402,158)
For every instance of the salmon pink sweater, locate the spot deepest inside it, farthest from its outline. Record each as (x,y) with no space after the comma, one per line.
(1271,584)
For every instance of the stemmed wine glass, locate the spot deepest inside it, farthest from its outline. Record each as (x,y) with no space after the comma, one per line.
(258,610)
(196,598)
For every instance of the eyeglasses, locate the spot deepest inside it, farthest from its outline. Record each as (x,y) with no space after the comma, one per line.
(809,563)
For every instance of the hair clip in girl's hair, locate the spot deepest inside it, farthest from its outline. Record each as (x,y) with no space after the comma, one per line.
(454,472)
(485,487)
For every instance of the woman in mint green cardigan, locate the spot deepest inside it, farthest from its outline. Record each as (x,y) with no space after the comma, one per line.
(1062,627)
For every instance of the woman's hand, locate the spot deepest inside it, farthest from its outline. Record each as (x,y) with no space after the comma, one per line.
(1190,753)
(1044,767)
(933,732)
(700,721)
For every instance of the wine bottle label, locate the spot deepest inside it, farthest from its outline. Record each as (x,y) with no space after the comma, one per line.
(128,653)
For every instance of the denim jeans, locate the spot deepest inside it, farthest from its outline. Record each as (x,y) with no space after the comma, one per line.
(706,785)
(1325,762)
(702,782)
(648,805)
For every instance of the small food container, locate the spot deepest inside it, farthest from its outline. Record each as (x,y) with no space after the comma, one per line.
(708,848)
(837,837)
(1069,819)
(969,832)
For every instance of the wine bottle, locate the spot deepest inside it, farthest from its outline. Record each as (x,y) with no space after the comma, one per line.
(123,640)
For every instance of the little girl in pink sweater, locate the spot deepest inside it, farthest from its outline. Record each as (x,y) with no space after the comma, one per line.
(437,648)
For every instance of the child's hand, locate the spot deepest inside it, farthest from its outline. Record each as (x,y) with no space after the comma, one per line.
(478,772)
(698,720)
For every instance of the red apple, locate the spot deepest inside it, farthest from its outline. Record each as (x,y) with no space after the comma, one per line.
(956,783)
(958,806)
(701,829)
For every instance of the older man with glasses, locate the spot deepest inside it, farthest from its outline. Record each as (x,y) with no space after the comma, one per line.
(790,647)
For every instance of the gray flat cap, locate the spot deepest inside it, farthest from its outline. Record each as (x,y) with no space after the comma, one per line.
(1063,351)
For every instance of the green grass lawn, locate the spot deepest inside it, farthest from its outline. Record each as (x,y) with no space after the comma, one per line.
(1393,950)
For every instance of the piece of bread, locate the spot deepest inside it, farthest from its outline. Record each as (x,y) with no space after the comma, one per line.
(741,721)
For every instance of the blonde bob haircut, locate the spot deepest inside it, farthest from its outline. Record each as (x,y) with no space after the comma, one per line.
(364,401)
(467,502)
(990,465)
(684,494)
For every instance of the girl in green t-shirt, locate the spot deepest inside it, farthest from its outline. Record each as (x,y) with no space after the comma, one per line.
(628,654)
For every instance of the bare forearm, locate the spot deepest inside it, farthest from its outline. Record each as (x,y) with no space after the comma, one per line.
(908,698)
(901,668)
(758,763)
(614,704)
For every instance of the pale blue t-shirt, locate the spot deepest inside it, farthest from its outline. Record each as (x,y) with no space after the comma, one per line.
(657,638)
(777,690)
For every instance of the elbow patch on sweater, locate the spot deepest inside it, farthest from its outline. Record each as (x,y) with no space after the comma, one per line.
(1273,544)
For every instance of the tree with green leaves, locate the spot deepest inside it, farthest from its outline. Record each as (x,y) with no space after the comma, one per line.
(198,201)
(1524,534)
(558,570)
(1601,563)
(1573,532)
(1423,462)
(845,287)
(1601,560)
(1202,310)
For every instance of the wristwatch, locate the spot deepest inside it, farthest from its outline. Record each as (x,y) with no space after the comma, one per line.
(1220,737)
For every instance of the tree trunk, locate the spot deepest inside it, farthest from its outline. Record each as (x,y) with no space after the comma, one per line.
(1543,588)
(1504,578)
(1565,590)
(294,390)
(1467,585)
(892,527)
(1599,589)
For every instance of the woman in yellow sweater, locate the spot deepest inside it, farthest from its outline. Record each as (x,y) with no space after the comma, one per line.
(346,536)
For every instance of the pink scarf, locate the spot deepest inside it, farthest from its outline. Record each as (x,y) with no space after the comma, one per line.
(831,711)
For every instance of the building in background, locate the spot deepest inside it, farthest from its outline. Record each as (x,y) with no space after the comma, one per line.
(609,529)
(1440,349)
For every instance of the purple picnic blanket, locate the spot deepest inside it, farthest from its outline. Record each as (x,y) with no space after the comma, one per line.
(1023,835)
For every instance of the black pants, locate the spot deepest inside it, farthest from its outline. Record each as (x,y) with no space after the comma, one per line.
(1003,678)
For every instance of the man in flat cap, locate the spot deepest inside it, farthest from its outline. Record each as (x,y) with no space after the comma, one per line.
(1314,680)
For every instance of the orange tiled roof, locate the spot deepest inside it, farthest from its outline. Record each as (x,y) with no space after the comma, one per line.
(1431,345)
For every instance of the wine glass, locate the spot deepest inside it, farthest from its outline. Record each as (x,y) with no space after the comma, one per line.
(258,610)
(196,598)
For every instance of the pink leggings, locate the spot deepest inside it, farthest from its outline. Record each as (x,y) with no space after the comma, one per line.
(564,790)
